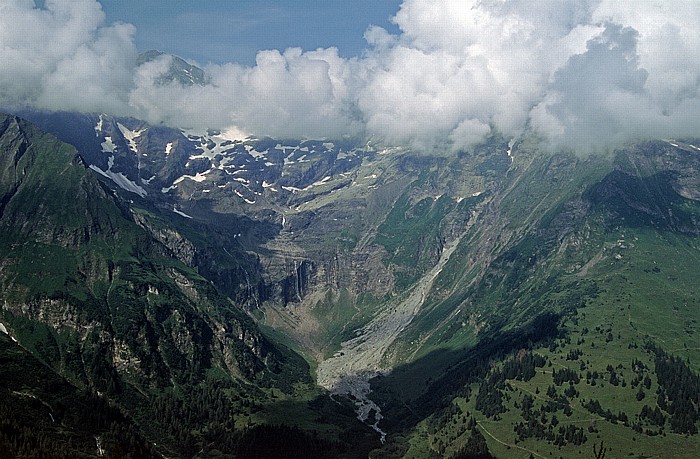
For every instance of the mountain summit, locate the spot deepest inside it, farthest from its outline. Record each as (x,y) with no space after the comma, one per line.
(179,70)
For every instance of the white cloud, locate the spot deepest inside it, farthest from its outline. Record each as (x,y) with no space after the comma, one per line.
(288,94)
(459,66)
(63,57)
(585,74)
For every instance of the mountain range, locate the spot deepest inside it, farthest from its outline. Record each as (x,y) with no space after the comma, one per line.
(176,293)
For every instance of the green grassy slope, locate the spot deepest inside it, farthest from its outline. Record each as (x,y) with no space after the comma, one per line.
(609,248)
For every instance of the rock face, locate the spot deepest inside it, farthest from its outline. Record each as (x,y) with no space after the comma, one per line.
(282,225)
(179,70)
(103,283)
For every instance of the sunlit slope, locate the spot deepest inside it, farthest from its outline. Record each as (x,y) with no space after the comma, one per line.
(607,248)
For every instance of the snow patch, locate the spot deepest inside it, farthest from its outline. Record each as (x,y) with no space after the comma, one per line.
(255,153)
(510,149)
(284,148)
(130,136)
(179,212)
(108,146)
(98,127)
(119,178)
(168,148)
(222,142)
(199,177)
(317,183)
(243,197)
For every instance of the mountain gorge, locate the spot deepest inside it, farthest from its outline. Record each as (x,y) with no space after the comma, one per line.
(104,303)
(253,297)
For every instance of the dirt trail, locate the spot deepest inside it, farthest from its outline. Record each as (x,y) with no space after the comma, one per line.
(361,358)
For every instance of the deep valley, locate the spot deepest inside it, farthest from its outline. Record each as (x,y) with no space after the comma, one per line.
(208,296)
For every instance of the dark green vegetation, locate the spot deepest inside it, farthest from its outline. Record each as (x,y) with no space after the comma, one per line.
(563,321)
(614,262)
(123,331)
(411,233)
(43,415)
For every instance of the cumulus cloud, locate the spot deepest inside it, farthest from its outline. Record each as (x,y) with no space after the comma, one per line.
(633,81)
(583,74)
(459,66)
(290,94)
(64,57)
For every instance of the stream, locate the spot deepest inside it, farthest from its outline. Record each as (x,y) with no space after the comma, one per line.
(362,358)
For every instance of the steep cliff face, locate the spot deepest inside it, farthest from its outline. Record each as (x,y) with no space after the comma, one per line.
(289,228)
(114,307)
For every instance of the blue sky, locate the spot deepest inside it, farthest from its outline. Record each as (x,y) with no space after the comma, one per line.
(222,31)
